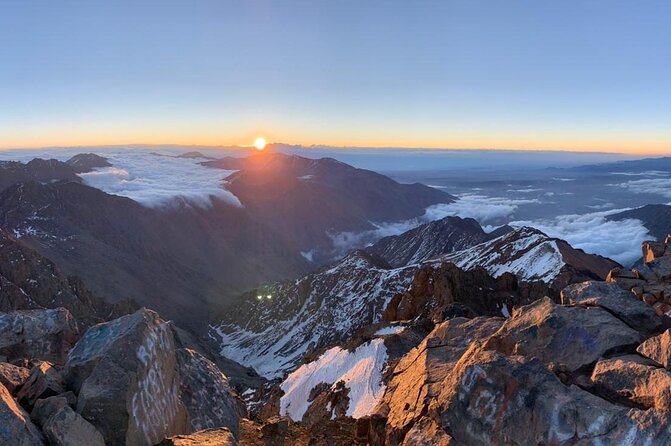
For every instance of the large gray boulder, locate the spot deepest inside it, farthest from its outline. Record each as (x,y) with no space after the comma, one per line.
(126,375)
(621,303)
(206,393)
(490,398)
(67,428)
(564,338)
(38,334)
(16,429)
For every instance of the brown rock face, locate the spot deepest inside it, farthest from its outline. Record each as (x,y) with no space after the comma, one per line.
(15,425)
(418,377)
(658,348)
(44,381)
(565,338)
(439,292)
(632,378)
(219,436)
(38,334)
(12,377)
(126,375)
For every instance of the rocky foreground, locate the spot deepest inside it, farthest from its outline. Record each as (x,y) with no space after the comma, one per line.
(588,366)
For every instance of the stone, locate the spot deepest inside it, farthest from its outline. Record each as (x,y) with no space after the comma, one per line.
(490,398)
(652,250)
(16,429)
(635,379)
(38,334)
(644,272)
(12,377)
(417,378)
(126,375)
(428,432)
(564,338)
(44,381)
(661,267)
(658,348)
(219,436)
(67,428)
(206,393)
(45,408)
(621,303)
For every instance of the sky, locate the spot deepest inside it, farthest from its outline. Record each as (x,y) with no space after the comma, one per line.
(569,75)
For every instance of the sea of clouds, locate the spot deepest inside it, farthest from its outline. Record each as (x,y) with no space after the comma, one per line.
(154,178)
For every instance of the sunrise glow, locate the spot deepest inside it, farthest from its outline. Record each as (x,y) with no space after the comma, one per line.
(260,143)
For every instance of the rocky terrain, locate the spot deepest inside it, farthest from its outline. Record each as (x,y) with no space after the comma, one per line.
(272,327)
(188,261)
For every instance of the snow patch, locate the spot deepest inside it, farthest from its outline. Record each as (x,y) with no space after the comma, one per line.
(391,330)
(360,370)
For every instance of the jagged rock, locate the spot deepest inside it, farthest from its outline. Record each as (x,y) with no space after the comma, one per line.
(15,425)
(12,377)
(126,375)
(566,338)
(205,392)
(658,348)
(624,278)
(621,303)
(661,267)
(44,381)
(652,250)
(644,272)
(67,428)
(219,436)
(427,432)
(632,377)
(489,398)
(45,408)
(40,334)
(417,378)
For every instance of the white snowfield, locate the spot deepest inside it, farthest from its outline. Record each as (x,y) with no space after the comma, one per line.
(525,252)
(360,370)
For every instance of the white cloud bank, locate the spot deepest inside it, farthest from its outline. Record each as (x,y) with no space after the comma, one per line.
(657,186)
(593,233)
(483,209)
(155,180)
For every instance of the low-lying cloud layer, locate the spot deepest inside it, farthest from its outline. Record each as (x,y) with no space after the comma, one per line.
(593,233)
(484,209)
(155,180)
(657,186)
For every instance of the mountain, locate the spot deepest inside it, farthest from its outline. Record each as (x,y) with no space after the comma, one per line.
(655,217)
(272,334)
(639,165)
(431,240)
(532,255)
(312,200)
(188,261)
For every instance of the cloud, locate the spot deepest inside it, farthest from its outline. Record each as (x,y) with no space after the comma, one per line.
(657,186)
(593,233)
(483,209)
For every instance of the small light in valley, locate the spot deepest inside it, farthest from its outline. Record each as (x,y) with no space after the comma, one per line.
(269,297)
(259,297)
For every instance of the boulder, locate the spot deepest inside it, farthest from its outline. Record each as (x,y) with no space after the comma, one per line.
(44,381)
(67,428)
(40,334)
(489,398)
(126,375)
(428,432)
(658,348)
(12,377)
(45,408)
(417,378)
(219,436)
(206,393)
(635,379)
(16,429)
(565,338)
(652,250)
(623,304)
(661,267)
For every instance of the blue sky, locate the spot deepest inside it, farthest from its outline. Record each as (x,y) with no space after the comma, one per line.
(588,75)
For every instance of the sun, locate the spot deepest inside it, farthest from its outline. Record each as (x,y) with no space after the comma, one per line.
(260,143)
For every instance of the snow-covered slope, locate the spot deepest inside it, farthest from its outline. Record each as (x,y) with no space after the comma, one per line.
(360,370)
(525,252)
(321,309)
